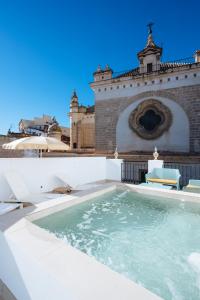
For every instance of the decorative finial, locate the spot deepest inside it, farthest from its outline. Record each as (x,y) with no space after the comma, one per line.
(116,154)
(150,27)
(54,120)
(10,128)
(99,68)
(155,153)
(150,42)
(74,95)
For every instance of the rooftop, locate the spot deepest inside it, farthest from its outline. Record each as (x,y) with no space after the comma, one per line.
(164,68)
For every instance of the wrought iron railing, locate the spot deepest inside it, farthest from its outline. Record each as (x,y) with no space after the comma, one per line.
(187,171)
(134,172)
(170,65)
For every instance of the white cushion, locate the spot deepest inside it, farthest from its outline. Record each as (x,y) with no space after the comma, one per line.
(7,207)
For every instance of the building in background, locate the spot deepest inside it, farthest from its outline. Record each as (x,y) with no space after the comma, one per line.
(45,125)
(155,104)
(82,125)
(37,126)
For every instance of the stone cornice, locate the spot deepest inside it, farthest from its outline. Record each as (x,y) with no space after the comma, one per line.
(144,76)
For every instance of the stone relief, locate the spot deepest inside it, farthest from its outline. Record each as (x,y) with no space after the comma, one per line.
(150,119)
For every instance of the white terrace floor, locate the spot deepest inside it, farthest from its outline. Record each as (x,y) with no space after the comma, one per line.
(36,265)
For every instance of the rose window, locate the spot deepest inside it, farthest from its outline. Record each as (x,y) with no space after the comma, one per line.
(150,119)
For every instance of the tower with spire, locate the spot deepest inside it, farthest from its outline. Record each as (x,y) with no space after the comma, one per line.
(74,102)
(149,57)
(82,124)
(73,119)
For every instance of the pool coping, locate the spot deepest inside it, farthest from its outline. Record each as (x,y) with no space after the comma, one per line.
(52,254)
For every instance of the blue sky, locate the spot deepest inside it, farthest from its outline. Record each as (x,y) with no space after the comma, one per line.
(48,48)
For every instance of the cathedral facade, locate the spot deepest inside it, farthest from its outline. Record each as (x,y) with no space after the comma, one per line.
(154,104)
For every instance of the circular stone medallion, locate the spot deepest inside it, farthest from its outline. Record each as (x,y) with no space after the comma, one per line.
(150,119)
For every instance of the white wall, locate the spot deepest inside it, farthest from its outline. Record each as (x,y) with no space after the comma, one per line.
(156,163)
(113,169)
(130,91)
(25,277)
(175,139)
(39,173)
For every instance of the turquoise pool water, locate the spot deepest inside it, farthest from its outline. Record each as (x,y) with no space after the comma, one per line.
(151,240)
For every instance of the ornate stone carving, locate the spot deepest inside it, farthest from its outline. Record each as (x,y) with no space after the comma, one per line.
(116,154)
(155,153)
(150,119)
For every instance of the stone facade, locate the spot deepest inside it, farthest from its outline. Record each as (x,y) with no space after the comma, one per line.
(108,112)
(175,86)
(82,125)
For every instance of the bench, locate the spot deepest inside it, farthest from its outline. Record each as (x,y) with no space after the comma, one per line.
(193,186)
(156,185)
(164,176)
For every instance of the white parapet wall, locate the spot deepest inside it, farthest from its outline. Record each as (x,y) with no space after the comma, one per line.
(156,163)
(39,174)
(113,169)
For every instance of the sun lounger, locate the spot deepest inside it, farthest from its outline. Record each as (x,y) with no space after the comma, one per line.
(7,207)
(21,191)
(65,179)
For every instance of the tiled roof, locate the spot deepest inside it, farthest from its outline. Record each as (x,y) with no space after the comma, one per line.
(163,67)
(132,72)
(166,66)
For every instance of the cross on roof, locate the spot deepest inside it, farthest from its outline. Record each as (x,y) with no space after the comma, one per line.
(150,27)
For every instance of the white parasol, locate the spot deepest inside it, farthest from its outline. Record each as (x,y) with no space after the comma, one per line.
(36,143)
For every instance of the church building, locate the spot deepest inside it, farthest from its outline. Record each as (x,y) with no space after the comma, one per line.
(82,125)
(155,104)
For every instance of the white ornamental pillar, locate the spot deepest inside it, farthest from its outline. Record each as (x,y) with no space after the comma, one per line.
(156,163)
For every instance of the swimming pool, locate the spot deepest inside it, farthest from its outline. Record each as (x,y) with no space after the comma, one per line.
(152,240)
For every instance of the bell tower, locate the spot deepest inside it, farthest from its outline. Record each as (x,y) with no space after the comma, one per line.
(74,102)
(74,106)
(149,57)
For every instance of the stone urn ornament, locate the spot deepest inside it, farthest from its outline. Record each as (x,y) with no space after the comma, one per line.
(155,153)
(116,154)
